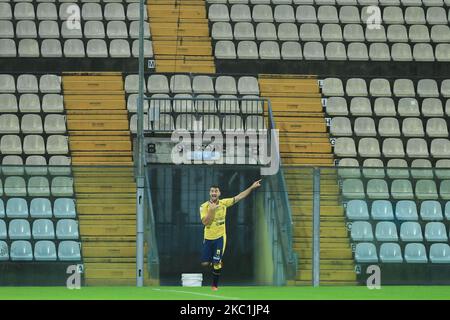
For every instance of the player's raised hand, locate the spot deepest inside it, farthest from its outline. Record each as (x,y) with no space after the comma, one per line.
(256,184)
(213,205)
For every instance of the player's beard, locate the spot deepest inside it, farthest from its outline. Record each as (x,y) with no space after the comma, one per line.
(214,198)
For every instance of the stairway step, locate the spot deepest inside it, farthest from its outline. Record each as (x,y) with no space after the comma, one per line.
(328,275)
(324,232)
(102,230)
(110,209)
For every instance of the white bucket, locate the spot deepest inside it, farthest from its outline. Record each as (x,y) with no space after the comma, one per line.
(192,279)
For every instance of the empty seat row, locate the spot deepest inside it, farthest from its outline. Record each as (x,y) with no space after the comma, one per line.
(198,84)
(356,51)
(37,186)
(34,144)
(207,122)
(375,168)
(44,250)
(388,127)
(406,3)
(427,88)
(405,210)
(42,229)
(392,148)
(324,14)
(29,83)
(366,252)
(32,124)
(38,208)
(35,165)
(52,30)
(31,102)
(329,32)
(202,103)
(386,231)
(74,48)
(50,11)
(387,107)
(399,189)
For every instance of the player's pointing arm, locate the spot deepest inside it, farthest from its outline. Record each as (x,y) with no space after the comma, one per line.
(247,191)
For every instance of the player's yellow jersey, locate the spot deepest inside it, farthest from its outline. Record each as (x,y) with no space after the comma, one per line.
(217,228)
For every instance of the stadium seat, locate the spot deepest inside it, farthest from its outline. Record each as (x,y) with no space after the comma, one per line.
(422,172)
(440,148)
(28,48)
(415,253)
(2,208)
(57,144)
(67,229)
(357,210)
(12,166)
(180,84)
(431,210)
(361,231)
(386,231)
(366,253)
(3,230)
(9,123)
(436,127)
(36,165)
(393,148)
(45,251)
(377,189)
(349,172)
(21,251)
(369,147)
(64,208)
(382,210)
(435,232)
(19,229)
(8,102)
(384,107)
(225,50)
(360,106)
(15,187)
(43,229)
(365,127)
(390,253)
(38,187)
(336,106)
(440,253)
(410,232)
(288,32)
(404,88)
(340,126)
(377,172)
(62,186)
(426,189)
(345,147)
(4,252)
(335,51)
(444,171)
(266,31)
(406,210)
(52,103)
(222,31)
(69,251)
(31,124)
(313,51)
(10,144)
(40,208)
(389,127)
